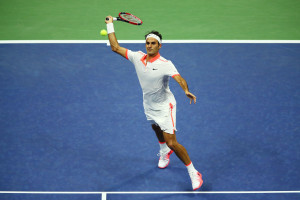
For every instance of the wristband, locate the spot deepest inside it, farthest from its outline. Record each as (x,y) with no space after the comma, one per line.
(110,28)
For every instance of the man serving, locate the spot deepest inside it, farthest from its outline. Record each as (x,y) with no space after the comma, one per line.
(154,72)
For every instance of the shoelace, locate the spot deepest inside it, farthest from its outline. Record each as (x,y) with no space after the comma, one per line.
(194,176)
(163,156)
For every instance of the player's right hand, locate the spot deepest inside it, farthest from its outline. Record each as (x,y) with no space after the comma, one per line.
(110,19)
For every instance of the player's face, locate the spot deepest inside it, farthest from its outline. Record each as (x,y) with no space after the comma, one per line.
(152,46)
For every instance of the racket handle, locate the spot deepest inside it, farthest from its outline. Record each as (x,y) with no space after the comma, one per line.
(114,19)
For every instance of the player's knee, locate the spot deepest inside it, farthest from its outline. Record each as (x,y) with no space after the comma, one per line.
(172,144)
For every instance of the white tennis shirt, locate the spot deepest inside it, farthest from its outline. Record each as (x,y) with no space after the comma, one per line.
(154,79)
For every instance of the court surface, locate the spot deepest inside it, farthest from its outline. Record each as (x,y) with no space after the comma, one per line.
(72,120)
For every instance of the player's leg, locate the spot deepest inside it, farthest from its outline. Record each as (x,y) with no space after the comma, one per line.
(179,150)
(165,151)
(182,154)
(159,133)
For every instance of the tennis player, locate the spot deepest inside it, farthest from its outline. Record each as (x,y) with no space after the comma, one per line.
(154,72)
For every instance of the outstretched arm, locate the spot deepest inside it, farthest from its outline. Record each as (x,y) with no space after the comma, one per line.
(115,47)
(185,88)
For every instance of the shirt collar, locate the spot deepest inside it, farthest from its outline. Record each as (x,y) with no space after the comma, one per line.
(152,59)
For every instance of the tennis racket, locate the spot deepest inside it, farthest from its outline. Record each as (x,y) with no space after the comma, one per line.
(129,18)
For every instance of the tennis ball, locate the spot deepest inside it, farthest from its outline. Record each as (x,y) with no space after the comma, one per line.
(103,32)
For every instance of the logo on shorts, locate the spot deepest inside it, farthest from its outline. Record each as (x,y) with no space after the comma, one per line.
(154,69)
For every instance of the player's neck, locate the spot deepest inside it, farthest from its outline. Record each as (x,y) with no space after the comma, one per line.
(149,57)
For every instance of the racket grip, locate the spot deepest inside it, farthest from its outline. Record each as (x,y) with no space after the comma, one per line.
(114,19)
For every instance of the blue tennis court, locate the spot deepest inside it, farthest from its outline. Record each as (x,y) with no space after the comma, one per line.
(72,120)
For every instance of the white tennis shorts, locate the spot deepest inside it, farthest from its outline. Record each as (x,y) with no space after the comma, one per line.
(165,119)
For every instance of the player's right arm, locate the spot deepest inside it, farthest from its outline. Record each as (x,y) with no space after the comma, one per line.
(115,47)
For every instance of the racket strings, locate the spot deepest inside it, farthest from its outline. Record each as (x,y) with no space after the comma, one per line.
(130,18)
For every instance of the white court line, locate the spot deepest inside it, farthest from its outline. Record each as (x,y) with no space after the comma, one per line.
(104,194)
(143,41)
(151,192)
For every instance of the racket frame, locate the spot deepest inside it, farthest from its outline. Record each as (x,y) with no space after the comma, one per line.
(120,18)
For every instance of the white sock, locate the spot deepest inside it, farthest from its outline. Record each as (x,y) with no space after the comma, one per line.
(190,167)
(164,147)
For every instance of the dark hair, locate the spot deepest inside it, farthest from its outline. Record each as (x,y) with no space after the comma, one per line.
(154,32)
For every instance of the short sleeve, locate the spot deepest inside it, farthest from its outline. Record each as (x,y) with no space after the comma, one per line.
(172,71)
(129,55)
(133,56)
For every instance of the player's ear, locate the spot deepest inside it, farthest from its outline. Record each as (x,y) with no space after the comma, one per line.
(159,46)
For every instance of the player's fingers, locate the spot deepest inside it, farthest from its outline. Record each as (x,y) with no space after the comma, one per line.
(108,19)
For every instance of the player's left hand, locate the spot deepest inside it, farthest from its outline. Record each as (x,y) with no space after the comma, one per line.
(191,97)
(109,19)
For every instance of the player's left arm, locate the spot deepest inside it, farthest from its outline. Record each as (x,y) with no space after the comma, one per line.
(185,88)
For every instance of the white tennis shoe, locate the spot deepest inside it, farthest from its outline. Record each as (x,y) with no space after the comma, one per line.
(164,158)
(196,179)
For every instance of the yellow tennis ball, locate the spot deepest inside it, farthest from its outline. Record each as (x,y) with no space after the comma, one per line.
(103,32)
